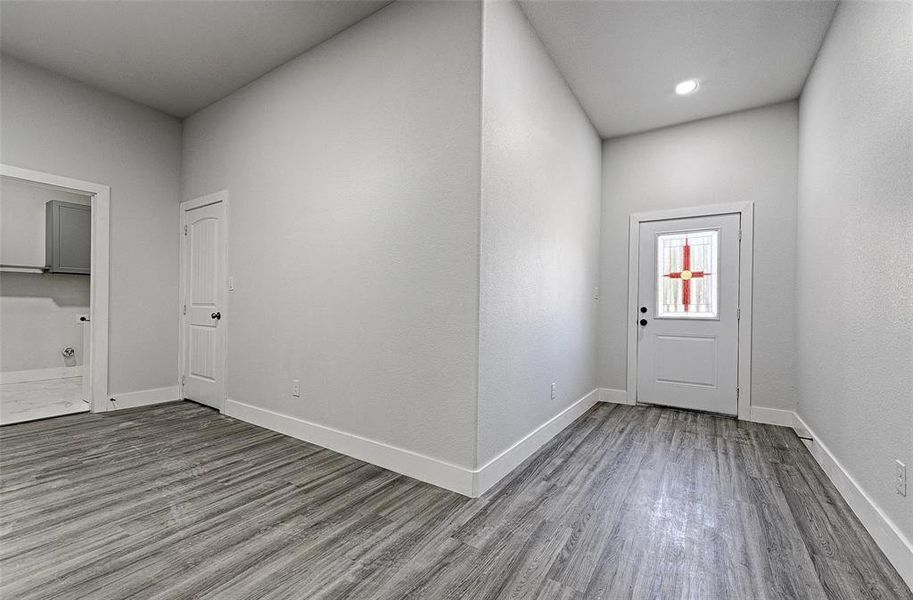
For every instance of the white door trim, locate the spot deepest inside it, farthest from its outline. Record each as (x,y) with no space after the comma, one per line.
(96,361)
(746,266)
(220,196)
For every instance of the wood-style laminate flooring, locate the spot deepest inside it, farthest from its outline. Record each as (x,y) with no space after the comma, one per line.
(178,501)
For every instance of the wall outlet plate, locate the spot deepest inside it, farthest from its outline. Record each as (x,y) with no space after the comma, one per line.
(554,391)
(296,388)
(900,478)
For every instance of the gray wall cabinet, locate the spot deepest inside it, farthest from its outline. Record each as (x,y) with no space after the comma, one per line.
(68,241)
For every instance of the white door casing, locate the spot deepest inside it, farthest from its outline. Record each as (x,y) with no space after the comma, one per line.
(203,298)
(687,321)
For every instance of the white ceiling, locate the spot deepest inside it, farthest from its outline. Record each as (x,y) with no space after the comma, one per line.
(174,56)
(623,58)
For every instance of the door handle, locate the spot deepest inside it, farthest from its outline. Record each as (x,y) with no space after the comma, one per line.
(216,315)
(643,322)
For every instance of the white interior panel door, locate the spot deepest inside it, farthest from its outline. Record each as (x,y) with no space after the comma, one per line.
(688,334)
(203,304)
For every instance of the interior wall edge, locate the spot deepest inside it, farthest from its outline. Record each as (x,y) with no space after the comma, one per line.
(539,249)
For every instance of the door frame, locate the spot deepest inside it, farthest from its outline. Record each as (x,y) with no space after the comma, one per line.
(215,197)
(96,361)
(746,269)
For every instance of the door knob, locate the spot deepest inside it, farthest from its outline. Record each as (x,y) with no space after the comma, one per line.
(216,315)
(643,322)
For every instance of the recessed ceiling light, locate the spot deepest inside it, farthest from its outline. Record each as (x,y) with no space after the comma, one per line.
(688,86)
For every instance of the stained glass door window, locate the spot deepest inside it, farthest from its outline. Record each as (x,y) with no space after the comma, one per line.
(687,280)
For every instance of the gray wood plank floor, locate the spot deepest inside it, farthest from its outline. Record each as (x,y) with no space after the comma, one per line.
(178,501)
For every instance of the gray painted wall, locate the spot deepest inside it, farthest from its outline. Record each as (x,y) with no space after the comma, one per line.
(855,269)
(39,316)
(39,312)
(59,126)
(746,156)
(539,240)
(353,174)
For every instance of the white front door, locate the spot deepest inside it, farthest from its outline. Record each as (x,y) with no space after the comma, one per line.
(203,303)
(688,300)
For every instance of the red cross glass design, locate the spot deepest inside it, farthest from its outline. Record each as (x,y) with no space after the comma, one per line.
(686,275)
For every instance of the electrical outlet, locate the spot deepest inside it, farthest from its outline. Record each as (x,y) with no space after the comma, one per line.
(900,477)
(231,283)
(596,293)
(554,391)
(296,388)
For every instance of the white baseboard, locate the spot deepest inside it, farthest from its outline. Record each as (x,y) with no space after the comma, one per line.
(773,416)
(144,397)
(425,468)
(896,547)
(469,482)
(500,466)
(41,374)
(615,396)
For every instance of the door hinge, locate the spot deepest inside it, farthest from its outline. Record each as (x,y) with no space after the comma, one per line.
(184,309)
(185,232)
(740,234)
(738,314)
(737,393)
(183,380)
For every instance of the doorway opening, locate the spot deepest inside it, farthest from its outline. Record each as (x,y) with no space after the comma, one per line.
(53,295)
(689,303)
